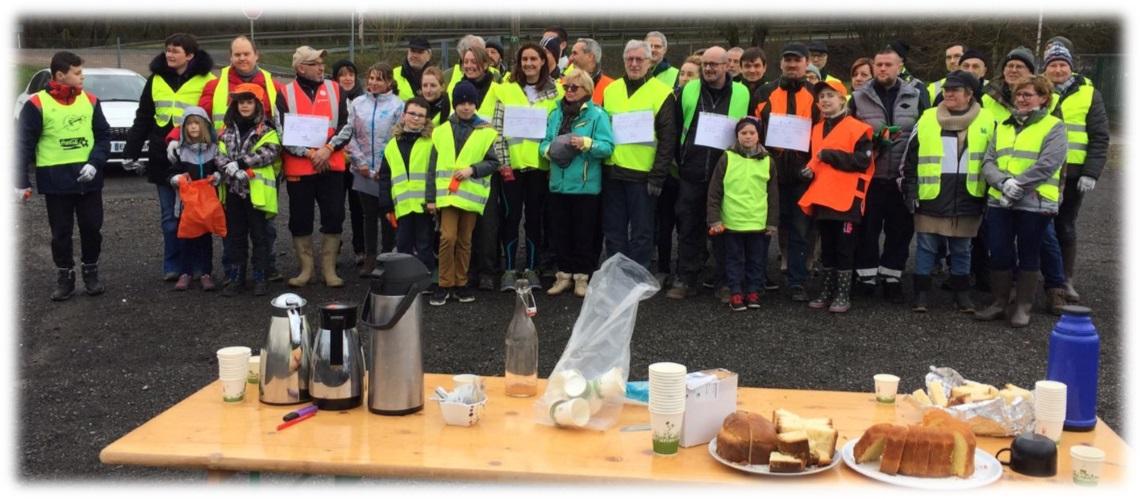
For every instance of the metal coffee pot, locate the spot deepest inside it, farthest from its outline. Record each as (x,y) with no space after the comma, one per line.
(337,361)
(285,354)
(393,313)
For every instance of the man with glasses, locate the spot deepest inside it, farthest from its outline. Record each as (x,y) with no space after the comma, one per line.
(954,54)
(316,175)
(643,113)
(408,74)
(587,56)
(734,55)
(712,96)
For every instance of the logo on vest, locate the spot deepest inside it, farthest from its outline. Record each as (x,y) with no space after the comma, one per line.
(75,122)
(73,143)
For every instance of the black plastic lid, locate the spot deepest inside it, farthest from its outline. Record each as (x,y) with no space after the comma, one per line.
(1076,310)
(396,273)
(338,316)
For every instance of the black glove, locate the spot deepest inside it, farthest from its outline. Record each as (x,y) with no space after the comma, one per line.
(834,157)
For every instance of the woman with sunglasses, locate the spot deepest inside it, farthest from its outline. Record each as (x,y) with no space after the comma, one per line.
(578,138)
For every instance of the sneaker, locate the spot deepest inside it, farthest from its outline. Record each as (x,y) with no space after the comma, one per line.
(770,285)
(736,303)
(679,291)
(532,277)
(207,282)
(753,300)
(171,276)
(183,283)
(430,290)
(507,281)
(464,294)
(439,296)
(709,283)
(799,293)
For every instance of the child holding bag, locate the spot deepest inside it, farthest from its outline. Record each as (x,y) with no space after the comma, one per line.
(198,213)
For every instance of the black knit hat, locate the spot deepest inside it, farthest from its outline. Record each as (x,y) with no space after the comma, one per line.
(900,47)
(465,93)
(493,43)
(961,79)
(973,54)
(418,43)
(817,46)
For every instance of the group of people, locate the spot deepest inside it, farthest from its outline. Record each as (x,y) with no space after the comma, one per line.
(447,164)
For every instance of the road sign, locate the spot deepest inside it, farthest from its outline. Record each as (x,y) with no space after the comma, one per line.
(251,13)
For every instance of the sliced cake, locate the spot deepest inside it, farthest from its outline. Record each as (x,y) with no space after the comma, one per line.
(779,462)
(794,443)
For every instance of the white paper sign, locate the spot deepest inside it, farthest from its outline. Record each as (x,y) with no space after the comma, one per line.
(788,131)
(715,130)
(520,122)
(951,163)
(635,127)
(305,130)
(360,183)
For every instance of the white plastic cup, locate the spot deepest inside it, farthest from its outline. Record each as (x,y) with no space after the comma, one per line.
(573,412)
(468,379)
(666,431)
(1049,391)
(1050,429)
(254,374)
(611,385)
(233,389)
(568,383)
(1087,462)
(886,387)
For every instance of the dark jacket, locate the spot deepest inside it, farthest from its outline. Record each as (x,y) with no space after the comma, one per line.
(144,127)
(695,162)
(788,162)
(899,105)
(1096,125)
(357,89)
(953,199)
(196,159)
(716,189)
(60,179)
(665,129)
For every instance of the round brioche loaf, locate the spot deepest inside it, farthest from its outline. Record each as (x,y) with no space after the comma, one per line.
(746,437)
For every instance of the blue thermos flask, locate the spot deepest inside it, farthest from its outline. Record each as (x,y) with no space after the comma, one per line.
(1074,356)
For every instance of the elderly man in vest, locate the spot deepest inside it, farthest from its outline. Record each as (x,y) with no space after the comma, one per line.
(64,134)
(645,137)
(705,103)
(178,76)
(407,75)
(891,106)
(315,173)
(789,99)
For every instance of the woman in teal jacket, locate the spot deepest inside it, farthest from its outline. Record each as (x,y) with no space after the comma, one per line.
(578,139)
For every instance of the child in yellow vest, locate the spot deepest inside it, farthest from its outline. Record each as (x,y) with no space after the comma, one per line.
(743,208)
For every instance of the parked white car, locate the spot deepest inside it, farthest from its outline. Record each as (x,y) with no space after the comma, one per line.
(117,89)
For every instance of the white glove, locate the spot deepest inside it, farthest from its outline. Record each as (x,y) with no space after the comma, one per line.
(807,173)
(1086,184)
(136,167)
(172,151)
(230,168)
(1012,189)
(86,173)
(175,181)
(215,178)
(241,175)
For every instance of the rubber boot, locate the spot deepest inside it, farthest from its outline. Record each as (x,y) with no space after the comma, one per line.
(581,284)
(91,282)
(960,285)
(330,248)
(260,283)
(842,301)
(922,286)
(64,284)
(562,282)
(368,265)
(1000,285)
(1026,289)
(1069,260)
(826,292)
(303,246)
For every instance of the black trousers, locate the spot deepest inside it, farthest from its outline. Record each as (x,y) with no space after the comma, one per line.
(356,214)
(245,225)
(523,197)
(326,190)
(485,239)
(885,214)
(575,230)
(415,235)
(372,220)
(1066,221)
(692,233)
(64,212)
(837,240)
(666,222)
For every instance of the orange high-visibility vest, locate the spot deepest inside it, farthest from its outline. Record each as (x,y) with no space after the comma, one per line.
(325,104)
(837,189)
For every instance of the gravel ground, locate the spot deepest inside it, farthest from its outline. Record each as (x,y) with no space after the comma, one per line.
(93,368)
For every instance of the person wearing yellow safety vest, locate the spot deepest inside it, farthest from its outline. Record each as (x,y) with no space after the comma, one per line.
(408,74)
(431,89)
(408,158)
(1017,68)
(817,55)
(249,148)
(661,70)
(524,172)
(178,77)
(638,167)
(743,210)
(62,131)
(711,100)
(499,62)
(1022,166)
(954,53)
(1086,123)
(464,165)
(944,188)
(475,62)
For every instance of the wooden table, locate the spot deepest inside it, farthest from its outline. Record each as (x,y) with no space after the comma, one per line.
(204,433)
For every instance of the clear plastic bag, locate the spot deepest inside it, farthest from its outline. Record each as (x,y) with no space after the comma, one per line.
(598,350)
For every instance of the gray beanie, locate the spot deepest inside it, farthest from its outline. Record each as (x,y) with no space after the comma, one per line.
(814,70)
(1021,54)
(1058,52)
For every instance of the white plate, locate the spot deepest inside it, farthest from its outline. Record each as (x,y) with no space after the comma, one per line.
(762,469)
(987,470)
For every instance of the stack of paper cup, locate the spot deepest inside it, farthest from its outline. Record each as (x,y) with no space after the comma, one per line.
(233,368)
(1049,399)
(666,405)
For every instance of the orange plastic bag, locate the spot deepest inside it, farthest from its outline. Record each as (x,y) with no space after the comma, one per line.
(202,211)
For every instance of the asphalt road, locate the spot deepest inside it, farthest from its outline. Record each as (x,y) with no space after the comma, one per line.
(93,368)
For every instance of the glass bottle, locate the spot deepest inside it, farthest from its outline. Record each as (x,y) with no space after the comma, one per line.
(522,345)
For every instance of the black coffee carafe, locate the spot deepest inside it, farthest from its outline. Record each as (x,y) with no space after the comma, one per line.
(337,360)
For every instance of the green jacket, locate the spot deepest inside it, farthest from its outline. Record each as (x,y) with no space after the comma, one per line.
(584,174)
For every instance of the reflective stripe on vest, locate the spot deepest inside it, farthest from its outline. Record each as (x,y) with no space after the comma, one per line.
(930,153)
(168,104)
(263,183)
(524,152)
(737,103)
(1075,111)
(473,192)
(668,77)
(832,188)
(221,100)
(1018,152)
(745,203)
(409,184)
(649,97)
(67,136)
(327,104)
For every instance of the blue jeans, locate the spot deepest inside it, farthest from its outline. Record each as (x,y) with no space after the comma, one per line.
(746,257)
(627,220)
(171,245)
(929,248)
(1014,238)
(1052,267)
(794,223)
